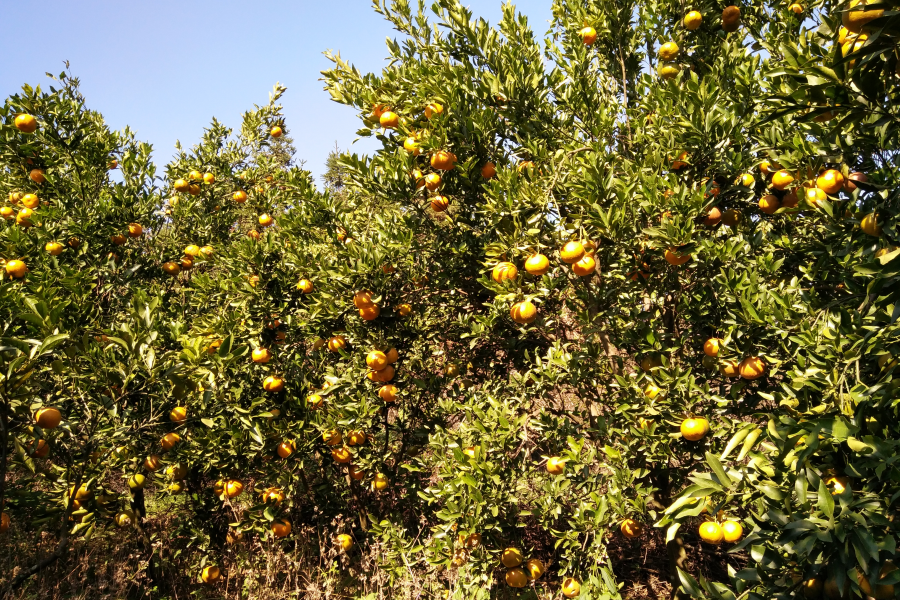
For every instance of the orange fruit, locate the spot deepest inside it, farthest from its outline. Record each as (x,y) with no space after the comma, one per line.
(275,132)
(16,269)
(341,455)
(516,578)
(782,179)
(362,299)
(512,557)
(571,587)
(393,356)
(48,418)
(337,343)
(432,181)
(209,178)
(489,171)
(193,189)
(314,401)
(305,286)
(273,383)
(796,8)
(117,239)
(376,360)
(675,258)
(418,178)
(281,528)
(789,200)
(24,217)
(332,437)
(585,267)
(7,213)
(533,567)
(693,20)
(712,217)
(732,217)
(588,35)
(869,226)
(265,220)
(769,204)
(523,312)
(731,18)
(355,473)
(631,528)
(178,414)
(856,20)
(433,109)
(412,146)
(679,163)
(504,271)
(210,574)
(42,450)
(389,120)
(233,488)
(572,252)
(711,532)
(379,482)
(405,310)
(26,123)
(732,531)
(556,465)
(830,181)
(382,376)
(440,203)
(370,313)
(286,448)
(169,440)
(356,438)
(152,462)
(712,346)
(239,196)
(668,51)
(177,472)
(730,369)
(388,393)
(135,230)
(537,264)
(261,356)
(443,160)
(694,429)
(850,184)
(752,367)
(344,541)
(37,176)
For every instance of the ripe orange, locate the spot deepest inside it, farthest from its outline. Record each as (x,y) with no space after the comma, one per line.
(314,401)
(489,170)
(676,258)
(239,196)
(393,356)
(376,360)
(789,200)
(266,220)
(337,343)
(732,531)
(383,376)
(850,184)
(523,312)
(363,298)
(137,482)
(355,473)
(273,383)
(210,574)
(511,557)
(679,163)
(440,203)
(443,160)
(782,179)
(370,313)
(504,271)
(651,391)
(389,120)
(731,18)
(516,578)
(169,440)
(178,414)
(404,310)
(332,437)
(48,418)
(261,355)
(830,181)
(152,462)
(711,532)
(712,346)
(588,35)
(253,234)
(135,230)
(795,8)
(433,109)
(533,566)
(24,217)
(26,123)
(118,239)
(286,448)
(694,429)
(729,369)
(585,267)
(572,252)
(712,217)
(209,178)
(7,213)
(341,455)
(747,180)
(275,132)
(16,269)
(732,217)
(537,264)
(631,528)
(869,226)
(42,450)
(379,482)
(752,367)
(388,393)
(37,176)
(281,528)
(356,438)
(693,20)
(556,465)
(412,146)
(233,488)
(856,20)
(344,541)
(177,472)
(668,51)
(769,204)
(432,181)
(419,178)
(193,189)
(571,587)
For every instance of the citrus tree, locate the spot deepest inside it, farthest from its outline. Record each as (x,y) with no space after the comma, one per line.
(630,286)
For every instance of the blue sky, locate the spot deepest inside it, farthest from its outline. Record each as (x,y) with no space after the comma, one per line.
(166,68)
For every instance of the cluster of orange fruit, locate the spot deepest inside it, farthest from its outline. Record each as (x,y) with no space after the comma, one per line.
(518,576)
(368,310)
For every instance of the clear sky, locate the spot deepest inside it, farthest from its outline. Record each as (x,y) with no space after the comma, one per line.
(167,67)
